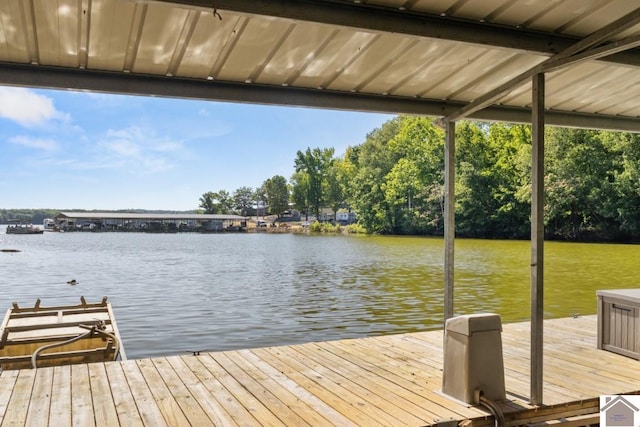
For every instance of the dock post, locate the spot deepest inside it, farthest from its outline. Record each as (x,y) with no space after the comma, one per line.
(537,237)
(449,216)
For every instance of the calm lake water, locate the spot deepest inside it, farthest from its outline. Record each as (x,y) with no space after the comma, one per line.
(174,293)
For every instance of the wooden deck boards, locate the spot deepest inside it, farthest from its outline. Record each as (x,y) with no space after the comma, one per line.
(380,381)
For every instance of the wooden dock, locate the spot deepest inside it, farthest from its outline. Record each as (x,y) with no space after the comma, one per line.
(381,381)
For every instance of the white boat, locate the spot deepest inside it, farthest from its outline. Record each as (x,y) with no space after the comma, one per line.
(49,225)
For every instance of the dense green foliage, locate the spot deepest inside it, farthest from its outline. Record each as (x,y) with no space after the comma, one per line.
(311,179)
(592,181)
(274,194)
(394,180)
(219,202)
(277,194)
(243,200)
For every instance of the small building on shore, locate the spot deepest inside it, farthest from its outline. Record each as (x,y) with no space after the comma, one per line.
(148,222)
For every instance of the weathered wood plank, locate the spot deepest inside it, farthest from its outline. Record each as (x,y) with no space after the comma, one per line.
(348,389)
(428,360)
(207,401)
(405,356)
(329,413)
(372,390)
(7,383)
(377,381)
(103,404)
(279,408)
(147,406)
(419,395)
(16,413)
(82,414)
(517,383)
(557,387)
(567,365)
(123,399)
(60,411)
(406,372)
(348,404)
(577,421)
(220,395)
(261,414)
(38,412)
(303,403)
(171,411)
(190,408)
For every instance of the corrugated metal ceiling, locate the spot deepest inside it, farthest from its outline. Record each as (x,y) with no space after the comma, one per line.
(420,56)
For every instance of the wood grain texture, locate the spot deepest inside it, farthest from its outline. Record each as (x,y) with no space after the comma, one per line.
(376,381)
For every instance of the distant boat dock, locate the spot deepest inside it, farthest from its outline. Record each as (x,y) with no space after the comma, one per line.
(148,222)
(392,380)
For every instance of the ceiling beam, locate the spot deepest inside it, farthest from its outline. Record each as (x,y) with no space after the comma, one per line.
(595,53)
(573,54)
(136,84)
(388,20)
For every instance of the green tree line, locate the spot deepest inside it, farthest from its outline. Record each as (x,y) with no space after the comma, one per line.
(394,180)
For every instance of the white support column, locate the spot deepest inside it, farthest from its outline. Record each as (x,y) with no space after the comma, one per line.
(449,216)
(537,237)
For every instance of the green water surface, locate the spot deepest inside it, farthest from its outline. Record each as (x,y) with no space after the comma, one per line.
(175,292)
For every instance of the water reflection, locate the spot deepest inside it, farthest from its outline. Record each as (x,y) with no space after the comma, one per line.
(187,292)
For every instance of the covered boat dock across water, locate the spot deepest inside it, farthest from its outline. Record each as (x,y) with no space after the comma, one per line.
(150,222)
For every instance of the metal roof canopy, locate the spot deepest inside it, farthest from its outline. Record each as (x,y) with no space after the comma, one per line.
(564,62)
(427,57)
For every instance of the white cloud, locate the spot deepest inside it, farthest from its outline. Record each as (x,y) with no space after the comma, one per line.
(141,150)
(28,108)
(38,143)
(167,146)
(124,148)
(157,164)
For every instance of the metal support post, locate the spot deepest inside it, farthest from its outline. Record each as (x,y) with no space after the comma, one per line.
(449,216)
(537,238)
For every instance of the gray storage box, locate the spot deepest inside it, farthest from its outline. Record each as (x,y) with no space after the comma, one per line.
(619,321)
(473,357)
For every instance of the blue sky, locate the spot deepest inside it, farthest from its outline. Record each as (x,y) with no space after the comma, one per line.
(80,150)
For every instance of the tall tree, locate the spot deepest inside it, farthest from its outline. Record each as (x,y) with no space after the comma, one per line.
(300,192)
(315,165)
(346,170)
(398,184)
(372,161)
(333,189)
(225,202)
(216,203)
(208,202)
(260,200)
(243,200)
(493,170)
(413,186)
(277,194)
(626,147)
(581,194)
